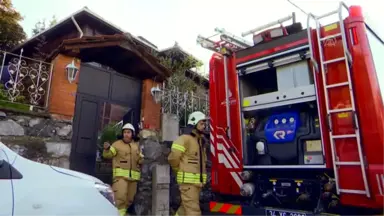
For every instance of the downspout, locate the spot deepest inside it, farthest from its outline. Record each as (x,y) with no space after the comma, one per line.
(77,26)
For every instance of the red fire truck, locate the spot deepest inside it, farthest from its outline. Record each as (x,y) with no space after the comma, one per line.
(297,118)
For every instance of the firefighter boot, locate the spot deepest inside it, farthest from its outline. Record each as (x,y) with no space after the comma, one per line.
(190,200)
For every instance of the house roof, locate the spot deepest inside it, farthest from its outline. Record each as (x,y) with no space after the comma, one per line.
(176,48)
(84,10)
(116,51)
(104,40)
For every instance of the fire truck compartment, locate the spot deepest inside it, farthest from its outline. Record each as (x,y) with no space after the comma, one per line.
(279,94)
(277,86)
(284,136)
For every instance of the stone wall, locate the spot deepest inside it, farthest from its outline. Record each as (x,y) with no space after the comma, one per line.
(157,153)
(37,137)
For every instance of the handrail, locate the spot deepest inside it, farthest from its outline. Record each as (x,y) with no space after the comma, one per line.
(342,29)
(228,41)
(233,37)
(310,16)
(313,61)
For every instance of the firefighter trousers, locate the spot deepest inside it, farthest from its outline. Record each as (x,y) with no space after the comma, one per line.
(190,200)
(124,191)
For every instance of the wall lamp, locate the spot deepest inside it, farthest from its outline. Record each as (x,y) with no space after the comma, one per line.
(71,70)
(156,93)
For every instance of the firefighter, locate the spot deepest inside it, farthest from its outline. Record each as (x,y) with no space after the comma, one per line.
(126,160)
(188,159)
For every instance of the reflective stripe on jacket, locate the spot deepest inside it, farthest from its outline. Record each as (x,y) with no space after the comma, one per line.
(126,159)
(190,178)
(188,158)
(133,174)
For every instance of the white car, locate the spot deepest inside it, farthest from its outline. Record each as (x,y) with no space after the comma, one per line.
(31,188)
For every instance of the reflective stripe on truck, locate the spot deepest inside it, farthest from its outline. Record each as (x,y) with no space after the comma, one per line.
(225,208)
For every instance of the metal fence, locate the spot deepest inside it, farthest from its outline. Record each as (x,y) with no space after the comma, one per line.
(24,80)
(183,103)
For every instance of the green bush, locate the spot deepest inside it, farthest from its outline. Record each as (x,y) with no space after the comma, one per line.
(109,134)
(4,95)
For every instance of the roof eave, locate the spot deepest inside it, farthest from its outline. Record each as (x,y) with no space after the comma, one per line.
(48,29)
(88,11)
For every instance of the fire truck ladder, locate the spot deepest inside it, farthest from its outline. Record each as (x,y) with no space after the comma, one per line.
(347,58)
(227,42)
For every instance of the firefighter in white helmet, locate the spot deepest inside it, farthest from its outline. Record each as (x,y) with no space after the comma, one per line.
(188,160)
(126,160)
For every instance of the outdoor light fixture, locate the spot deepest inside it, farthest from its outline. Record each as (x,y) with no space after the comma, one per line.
(71,71)
(156,94)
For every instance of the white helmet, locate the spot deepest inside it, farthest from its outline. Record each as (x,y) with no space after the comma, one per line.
(195,117)
(128,126)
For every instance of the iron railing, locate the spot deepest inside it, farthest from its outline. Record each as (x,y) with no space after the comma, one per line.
(182,103)
(24,80)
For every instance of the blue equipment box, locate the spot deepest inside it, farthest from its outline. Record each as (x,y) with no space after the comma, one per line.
(281,128)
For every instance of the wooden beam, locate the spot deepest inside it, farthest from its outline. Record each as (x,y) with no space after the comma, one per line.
(155,65)
(86,45)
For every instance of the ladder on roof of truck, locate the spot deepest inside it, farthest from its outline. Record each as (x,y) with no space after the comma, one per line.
(227,40)
(233,42)
(347,59)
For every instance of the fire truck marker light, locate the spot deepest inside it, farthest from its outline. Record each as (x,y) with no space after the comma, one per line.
(223,50)
(246,103)
(330,27)
(343,115)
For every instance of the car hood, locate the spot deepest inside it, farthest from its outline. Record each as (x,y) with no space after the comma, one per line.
(76,174)
(10,155)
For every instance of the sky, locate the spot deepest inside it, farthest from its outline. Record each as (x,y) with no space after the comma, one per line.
(165,21)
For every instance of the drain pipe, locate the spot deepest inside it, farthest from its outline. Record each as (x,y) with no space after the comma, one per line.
(77,26)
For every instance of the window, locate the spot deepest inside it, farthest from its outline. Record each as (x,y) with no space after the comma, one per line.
(112,114)
(7,171)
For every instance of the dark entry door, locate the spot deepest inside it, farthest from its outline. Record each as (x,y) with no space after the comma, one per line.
(104,97)
(85,126)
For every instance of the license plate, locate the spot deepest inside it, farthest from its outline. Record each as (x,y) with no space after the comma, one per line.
(273,212)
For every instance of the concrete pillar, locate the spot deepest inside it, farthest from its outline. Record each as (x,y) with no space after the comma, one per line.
(169,127)
(160,190)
